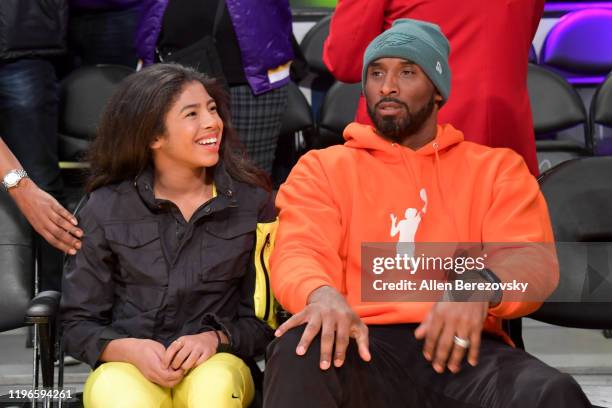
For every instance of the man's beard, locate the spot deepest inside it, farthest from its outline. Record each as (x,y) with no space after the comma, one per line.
(399,128)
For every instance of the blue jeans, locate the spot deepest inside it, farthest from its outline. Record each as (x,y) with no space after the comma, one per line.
(104,37)
(28,125)
(28,119)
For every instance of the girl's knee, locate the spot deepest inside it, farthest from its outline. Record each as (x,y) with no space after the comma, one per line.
(118,385)
(222,381)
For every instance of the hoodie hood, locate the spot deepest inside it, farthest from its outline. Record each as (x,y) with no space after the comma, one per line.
(365,137)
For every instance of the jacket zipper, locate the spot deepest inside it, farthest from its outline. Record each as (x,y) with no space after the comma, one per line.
(263,266)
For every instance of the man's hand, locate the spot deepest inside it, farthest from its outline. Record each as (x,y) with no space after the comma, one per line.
(328,312)
(147,356)
(446,320)
(52,221)
(190,351)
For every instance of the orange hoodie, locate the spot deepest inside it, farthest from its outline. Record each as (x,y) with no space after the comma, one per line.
(337,198)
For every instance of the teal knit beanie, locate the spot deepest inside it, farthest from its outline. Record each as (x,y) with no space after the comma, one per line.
(420,42)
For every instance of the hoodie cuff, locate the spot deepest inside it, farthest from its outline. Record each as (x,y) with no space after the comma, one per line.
(298,302)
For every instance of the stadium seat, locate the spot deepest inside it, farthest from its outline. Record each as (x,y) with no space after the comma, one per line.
(556,107)
(298,115)
(583,232)
(17,283)
(83,96)
(320,79)
(295,136)
(579,46)
(579,197)
(338,110)
(312,45)
(601,117)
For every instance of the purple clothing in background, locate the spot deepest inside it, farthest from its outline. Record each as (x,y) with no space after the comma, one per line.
(263,30)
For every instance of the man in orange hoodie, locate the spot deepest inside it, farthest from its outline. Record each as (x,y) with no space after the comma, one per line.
(343,349)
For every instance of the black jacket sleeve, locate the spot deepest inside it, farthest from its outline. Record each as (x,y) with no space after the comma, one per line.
(87,294)
(252,329)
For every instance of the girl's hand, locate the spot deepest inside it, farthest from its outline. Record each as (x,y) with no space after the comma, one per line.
(190,351)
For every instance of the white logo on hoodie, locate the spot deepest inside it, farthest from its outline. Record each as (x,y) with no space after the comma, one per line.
(408,227)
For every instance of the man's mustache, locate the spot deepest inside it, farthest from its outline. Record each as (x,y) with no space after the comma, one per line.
(393,100)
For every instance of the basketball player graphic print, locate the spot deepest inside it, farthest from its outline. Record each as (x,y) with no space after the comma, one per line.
(408,227)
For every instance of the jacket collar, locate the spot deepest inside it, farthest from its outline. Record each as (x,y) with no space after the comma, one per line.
(224,185)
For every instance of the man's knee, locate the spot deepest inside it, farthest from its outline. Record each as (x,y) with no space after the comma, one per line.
(551,389)
(562,390)
(282,356)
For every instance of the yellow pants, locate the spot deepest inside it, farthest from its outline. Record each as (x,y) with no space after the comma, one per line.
(223,381)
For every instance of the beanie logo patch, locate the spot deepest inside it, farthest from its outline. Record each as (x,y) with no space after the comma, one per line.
(439,67)
(394,39)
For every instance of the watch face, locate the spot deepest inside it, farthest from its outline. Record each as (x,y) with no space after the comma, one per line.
(12,179)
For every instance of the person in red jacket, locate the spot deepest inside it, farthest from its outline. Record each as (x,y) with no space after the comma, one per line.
(490,42)
(400,188)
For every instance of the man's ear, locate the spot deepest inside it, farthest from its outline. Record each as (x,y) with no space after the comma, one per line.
(438,98)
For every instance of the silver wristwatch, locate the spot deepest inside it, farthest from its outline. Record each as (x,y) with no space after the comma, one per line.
(13,177)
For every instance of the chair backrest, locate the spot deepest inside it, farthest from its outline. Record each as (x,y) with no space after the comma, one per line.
(83,96)
(298,115)
(555,104)
(580,45)
(312,45)
(16,264)
(601,117)
(579,197)
(601,107)
(296,134)
(338,110)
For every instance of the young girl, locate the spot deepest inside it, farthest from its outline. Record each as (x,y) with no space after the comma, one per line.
(169,299)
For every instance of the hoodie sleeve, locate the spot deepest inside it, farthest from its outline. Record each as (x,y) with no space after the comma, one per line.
(354,24)
(518,231)
(309,235)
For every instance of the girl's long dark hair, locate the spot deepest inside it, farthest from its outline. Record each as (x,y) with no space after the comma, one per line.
(136,114)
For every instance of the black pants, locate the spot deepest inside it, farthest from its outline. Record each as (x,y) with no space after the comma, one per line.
(399,376)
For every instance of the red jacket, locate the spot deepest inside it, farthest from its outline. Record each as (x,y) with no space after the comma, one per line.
(490,43)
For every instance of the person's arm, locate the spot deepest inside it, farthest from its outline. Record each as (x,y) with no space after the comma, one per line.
(250,332)
(52,221)
(309,238)
(88,293)
(518,241)
(306,266)
(88,297)
(354,24)
(519,216)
